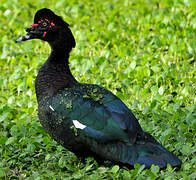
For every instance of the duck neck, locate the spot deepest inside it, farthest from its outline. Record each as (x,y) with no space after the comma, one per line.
(54,75)
(60,60)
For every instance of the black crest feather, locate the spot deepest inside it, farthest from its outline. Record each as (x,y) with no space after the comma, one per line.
(50,15)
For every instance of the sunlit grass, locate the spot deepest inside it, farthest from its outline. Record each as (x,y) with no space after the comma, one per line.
(143,51)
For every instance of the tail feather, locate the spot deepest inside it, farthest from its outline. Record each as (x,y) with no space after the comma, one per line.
(151,153)
(148,161)
(147,153)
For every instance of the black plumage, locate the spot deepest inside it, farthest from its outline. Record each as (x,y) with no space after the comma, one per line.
(85,118)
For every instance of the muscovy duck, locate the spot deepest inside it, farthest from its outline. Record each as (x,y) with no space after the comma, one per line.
(85,118)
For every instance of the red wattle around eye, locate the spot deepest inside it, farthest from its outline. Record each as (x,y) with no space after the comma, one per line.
(47,20)
(44,34)
(52,24)
(34,25)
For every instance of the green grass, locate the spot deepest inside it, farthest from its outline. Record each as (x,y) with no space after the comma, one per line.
(143,51)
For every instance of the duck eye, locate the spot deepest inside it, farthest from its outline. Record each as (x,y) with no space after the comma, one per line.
(44,24)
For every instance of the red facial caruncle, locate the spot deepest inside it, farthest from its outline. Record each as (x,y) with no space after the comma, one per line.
(44,23)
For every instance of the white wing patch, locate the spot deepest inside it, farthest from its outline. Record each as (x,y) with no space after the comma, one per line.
(78,125)
(51,108)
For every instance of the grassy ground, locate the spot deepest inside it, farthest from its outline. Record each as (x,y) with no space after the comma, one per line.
(143,51)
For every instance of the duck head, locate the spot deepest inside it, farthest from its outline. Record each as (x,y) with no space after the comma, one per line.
(49,27)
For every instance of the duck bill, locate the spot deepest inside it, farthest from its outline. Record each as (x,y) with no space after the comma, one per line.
(34,32)
(25,38)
